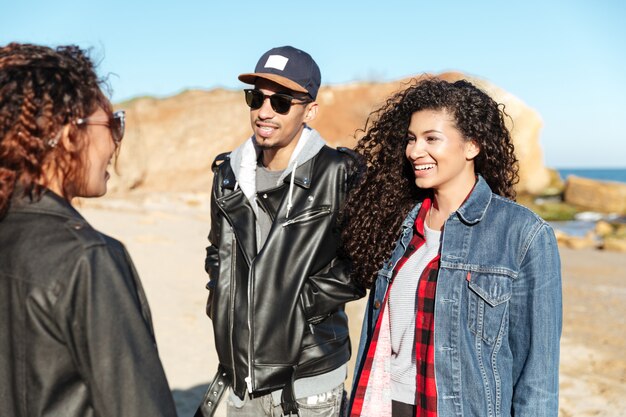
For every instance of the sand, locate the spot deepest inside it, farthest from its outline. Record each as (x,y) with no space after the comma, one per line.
(166,237)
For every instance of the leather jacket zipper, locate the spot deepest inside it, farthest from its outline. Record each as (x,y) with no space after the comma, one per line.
(233,289)
(309,215)
(248,379)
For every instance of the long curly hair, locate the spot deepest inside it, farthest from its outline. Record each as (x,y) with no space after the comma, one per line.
(378,204)
(42,90)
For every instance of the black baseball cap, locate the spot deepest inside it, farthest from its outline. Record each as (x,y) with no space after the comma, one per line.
(289,67)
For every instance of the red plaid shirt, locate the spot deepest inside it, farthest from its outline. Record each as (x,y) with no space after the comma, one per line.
(426,390)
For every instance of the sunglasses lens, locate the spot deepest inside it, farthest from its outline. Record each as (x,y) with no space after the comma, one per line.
(254,99)
(118,125)
(280,103)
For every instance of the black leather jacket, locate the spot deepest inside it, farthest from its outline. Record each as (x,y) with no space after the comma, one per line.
(278,315)
(76,336)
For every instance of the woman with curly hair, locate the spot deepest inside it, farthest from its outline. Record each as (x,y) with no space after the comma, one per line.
(464,314)
(77,337)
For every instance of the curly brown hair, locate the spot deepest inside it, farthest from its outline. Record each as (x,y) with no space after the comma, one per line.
(42,90)
(386,193)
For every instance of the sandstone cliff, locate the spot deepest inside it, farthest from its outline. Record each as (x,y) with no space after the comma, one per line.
(171,142)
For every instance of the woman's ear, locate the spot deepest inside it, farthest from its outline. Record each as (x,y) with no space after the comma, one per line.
(471,149)
(66,140)
(53,175)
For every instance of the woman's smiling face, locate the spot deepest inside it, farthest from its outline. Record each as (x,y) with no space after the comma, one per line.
(441,158)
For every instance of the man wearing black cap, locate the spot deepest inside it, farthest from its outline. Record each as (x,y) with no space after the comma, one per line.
(278,280)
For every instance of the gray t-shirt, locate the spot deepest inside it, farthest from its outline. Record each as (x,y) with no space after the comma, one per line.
(402,310)
(265,180)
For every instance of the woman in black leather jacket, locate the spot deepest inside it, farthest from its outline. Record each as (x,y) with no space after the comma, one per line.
(76,333)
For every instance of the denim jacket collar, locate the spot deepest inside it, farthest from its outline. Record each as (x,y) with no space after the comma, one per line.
(471,212)
(410,218)
(475,207)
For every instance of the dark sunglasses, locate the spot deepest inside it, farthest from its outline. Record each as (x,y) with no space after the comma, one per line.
(281,103)
(117,124)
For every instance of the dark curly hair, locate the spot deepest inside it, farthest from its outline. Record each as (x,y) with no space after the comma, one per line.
(386,193)
(42,90)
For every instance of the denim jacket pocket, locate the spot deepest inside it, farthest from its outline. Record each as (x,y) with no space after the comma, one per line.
(488,304)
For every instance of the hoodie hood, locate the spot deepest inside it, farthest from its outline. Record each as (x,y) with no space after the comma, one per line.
(243,161)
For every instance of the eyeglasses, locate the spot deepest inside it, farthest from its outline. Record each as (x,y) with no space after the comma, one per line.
(117,124)
(281,103)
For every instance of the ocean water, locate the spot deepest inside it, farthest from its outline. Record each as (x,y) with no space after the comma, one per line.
(577,228)
(585,222)
(602,174)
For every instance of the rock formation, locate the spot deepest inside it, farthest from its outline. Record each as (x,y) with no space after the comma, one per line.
(602,196)
(171,142)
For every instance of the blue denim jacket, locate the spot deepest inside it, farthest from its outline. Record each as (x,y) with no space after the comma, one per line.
(498,310)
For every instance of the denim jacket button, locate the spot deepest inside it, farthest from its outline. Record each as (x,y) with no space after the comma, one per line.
(377,304)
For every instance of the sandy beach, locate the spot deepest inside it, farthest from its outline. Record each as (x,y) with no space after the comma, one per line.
(166,237)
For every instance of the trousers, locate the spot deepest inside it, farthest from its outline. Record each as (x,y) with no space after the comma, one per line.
(327,404)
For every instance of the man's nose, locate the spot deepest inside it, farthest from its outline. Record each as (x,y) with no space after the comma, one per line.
(266,111)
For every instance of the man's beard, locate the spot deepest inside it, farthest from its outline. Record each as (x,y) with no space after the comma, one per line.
(263,145)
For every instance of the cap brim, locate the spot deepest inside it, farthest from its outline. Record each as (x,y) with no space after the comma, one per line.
(278,79)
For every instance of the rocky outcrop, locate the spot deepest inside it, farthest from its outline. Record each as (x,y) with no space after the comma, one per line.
(604,228)
(171,142)
(615,244)
(607,235)
(613,235)
(577,242)
(601,196)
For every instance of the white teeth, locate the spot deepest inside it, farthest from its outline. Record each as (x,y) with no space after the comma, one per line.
(423,167)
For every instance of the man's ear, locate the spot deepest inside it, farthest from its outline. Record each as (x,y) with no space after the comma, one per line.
(311,112)
(471,149)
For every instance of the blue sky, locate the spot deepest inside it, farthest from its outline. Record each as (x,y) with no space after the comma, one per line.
(566,59)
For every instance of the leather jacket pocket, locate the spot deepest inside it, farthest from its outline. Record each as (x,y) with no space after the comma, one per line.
(488,304)
(308,215)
